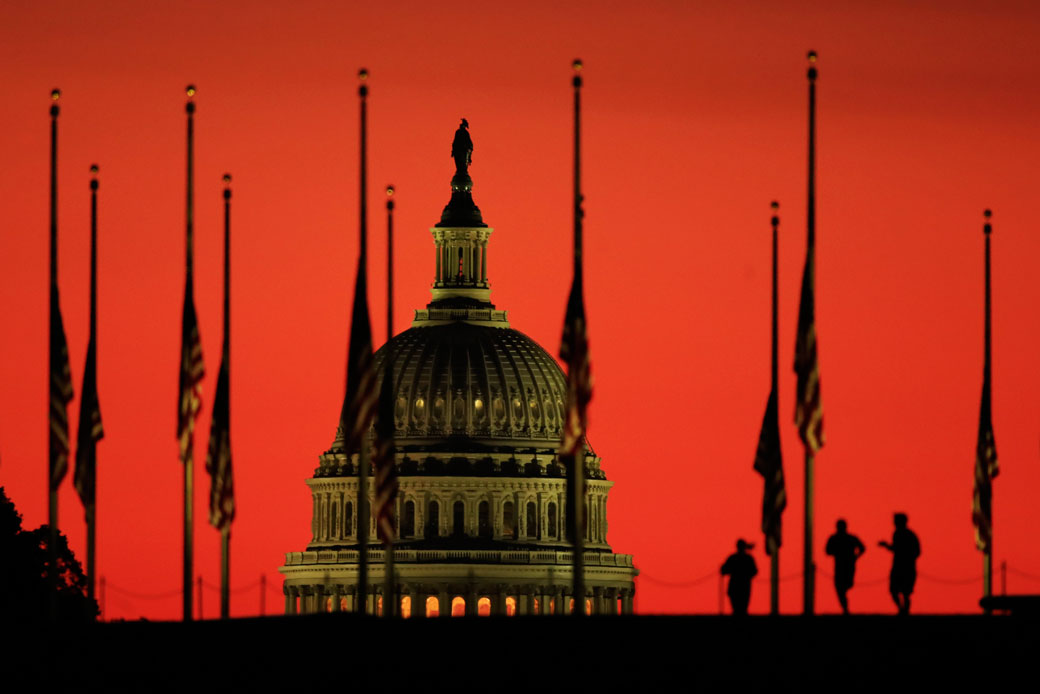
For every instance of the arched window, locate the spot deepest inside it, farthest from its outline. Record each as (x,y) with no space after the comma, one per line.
(406,607)
(484,519)
(433,520)
(458,607)
(510,606)
(552,520)
(484,607)
(508,521)
(408,527)
(532,519)
(348,519)
(458,518)
(433,606)
(333,530)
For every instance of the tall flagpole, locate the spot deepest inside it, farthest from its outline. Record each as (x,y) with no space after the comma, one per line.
(189,462)
(808,565)
(54,452)
(987,555)
(363,454)
(91,509)
(225,531)
(774,557)
(390,603)
(578,463)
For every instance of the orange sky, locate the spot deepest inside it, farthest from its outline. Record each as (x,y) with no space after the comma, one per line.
(695,119)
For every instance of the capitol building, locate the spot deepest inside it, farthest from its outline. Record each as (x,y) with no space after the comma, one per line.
(481,512)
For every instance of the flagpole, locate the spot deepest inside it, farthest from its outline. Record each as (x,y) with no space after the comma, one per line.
(808,565)
(987,555)
(225,530)
(189,466)
(363,453)
(91,507)
(52,485)
(774,557)
(389,598)
(578,463)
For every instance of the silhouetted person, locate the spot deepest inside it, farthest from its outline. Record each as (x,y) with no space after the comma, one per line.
(845,549)
(740,567)
(905,550)
(462,148)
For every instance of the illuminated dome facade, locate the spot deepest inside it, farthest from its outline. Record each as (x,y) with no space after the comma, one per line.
(481,511)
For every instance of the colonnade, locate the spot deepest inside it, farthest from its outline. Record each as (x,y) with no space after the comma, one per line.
(441,600)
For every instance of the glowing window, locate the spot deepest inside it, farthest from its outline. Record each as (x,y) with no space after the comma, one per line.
(420,408)
(433,607)
(537,609)
(484,607)
(458,607)
(478,410)
(379,604)
(510,606)
(406,607)
(534,408)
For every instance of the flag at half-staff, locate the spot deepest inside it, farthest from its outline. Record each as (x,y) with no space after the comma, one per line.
(986,467)
(574,352)
(60,374)
(90,429)
(192,370)
(768,457)
(218,455)
(386,483)
(359,401)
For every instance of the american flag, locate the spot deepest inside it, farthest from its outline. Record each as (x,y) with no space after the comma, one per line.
(808,413)
(985,470)
(574,351)
(383,460)
(218,456)
(90,430)
(192,370)
(769,464)
(359,403)
(60,394)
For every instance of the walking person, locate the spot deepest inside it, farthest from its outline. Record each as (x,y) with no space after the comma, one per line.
(905,549)
(846,549)
(740,567)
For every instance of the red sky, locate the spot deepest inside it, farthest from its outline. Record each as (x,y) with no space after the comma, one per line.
(695,118)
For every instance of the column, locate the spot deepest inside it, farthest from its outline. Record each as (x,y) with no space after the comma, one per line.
(525,600)
(336,590)
(626,600)
(444,600)
(498,607)
(483,262)
(437,252)
(319,599)
(290,599)
(560,599)
(471,601)
(350,593)
(597,600)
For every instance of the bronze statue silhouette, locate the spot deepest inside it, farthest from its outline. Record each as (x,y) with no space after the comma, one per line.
(462,149)
(741,568)
(905,549)
(846,549)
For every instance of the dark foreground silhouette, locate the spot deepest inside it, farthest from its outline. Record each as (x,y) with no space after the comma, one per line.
(846,549)
(905,549)
(740,567)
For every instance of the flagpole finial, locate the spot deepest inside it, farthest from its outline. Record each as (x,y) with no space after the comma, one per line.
(577,65)
(390,197)
(227,186)
(774,206)
(190,91)
(812,65)
(987,228)
(362,77)
(55,95)
(93,173)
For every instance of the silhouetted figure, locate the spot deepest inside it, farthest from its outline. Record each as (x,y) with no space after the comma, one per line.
(905,550)
(740,567)
(462,149)
(845,549)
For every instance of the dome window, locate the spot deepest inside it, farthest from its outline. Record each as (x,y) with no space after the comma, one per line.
(400,407)
(438,410)
(535,410)
(478,410)
(518,409)
(458,410)
(420,408)
(498,409)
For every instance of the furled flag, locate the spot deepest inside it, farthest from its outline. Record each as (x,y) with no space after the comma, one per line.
(60,394)
(383,460)
(769,464)
(90,430)
(192,370)
(574,351)
(218,457)
(985,470)
(808,413)
(359,402)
